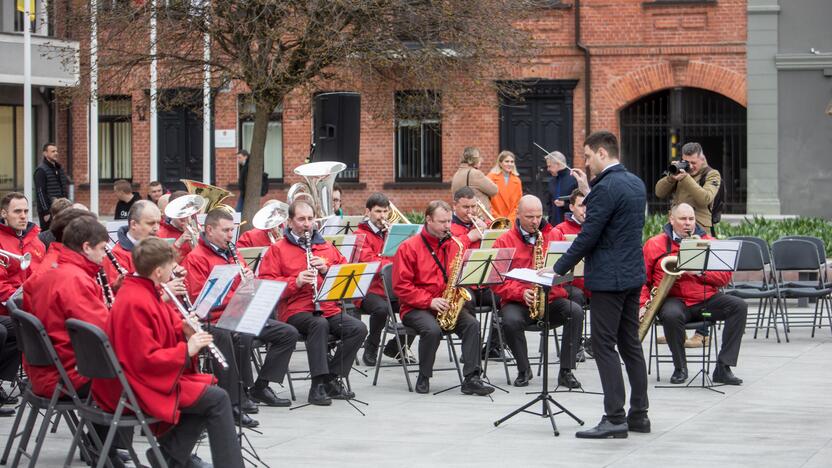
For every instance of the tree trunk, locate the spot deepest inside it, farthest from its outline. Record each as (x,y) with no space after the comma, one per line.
(254,178)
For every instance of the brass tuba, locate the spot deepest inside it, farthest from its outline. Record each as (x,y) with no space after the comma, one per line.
(214,196)
(493,223)
(318,181)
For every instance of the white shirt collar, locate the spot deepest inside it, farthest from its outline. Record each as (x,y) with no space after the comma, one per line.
(611,165)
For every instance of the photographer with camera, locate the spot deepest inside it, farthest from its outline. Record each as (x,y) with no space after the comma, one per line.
(691,181)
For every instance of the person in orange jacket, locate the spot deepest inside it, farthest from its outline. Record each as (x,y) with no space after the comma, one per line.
(504,175)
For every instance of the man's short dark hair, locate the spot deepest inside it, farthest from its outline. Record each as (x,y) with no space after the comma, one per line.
(7,199)
(293,208)
(435,205)
(58,205)
(244,153)
(573,197)
(47,145)
(464,192)
(62,219)
(377,199)
(214,216)
(81,230)
(603,139)
(150,253)
(122,186)
(691,149)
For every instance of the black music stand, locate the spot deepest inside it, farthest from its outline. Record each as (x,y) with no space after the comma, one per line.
(341,225)
(544,397)
(344,282)
(343,242)
(246,314)
(483,267)
(699,256)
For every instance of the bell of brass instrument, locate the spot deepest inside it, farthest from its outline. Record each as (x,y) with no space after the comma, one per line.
(317,185)
(395,216)
(456,296)
(272,215)
(7,257)
(493,223)
(186,207)
(538,305)
(214,196)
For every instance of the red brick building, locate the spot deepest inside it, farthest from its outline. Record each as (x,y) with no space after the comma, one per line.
(661,71)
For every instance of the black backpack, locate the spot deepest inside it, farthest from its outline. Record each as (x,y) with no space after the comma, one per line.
(719,199)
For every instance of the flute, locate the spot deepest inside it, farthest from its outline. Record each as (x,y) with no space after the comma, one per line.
(218,356)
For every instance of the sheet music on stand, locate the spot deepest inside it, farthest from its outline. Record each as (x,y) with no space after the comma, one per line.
(483,267)
(252,256)
(397,234)
(335,225)
(253,303)
(113,227)
(216,287)
(708,255)
(489,236)
(348,244)
(347,281)
(200,218)
(555,251)
(529,275)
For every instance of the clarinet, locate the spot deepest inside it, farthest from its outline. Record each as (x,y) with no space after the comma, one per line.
(307,246)
(121,270)
(218,356)
(233,250)
(185,299)
(105,286)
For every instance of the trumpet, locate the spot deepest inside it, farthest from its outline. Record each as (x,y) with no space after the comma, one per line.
(218,356)
(493,223)
(6,258)
(121,270)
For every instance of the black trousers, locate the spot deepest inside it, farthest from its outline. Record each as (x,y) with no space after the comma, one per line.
(615,322)
(376,307)
(228,379)
(561,312)
(467,329)
(9,354)
(212,412)
(575,294)
(732,310)
(317,329)
(281,339)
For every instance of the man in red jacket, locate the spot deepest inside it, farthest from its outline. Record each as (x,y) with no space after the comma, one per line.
(464,222)
(261,237)
(216,248)
(177,228)
(692,298)
(18,236)
(159,356)
(143,221)
(516,296)
(420,273)
(301,259)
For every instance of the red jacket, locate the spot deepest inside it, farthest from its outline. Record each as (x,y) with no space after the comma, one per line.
(460,230)
(254,238)
(12,276)
(417,278)
(690,288)
(169,231)
(371,252)
(512,290)
(568,226)
(146,334)
(285,260)
(68,291)
(199,264)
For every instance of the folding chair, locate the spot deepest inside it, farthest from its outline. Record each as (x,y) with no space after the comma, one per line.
(801,255)
(96,360)
(752,258)
(664,358)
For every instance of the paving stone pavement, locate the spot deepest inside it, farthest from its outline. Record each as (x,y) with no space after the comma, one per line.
(779,417)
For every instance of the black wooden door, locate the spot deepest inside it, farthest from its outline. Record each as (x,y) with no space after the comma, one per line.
(179,144)
(543,116)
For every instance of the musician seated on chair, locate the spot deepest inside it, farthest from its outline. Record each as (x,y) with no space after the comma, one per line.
(422,268)
(18,236)
(571,225)
(301,259)
(143,221)
(374,229)
(215,247)
(158,353)
(177,228)
(529,233)
(694,297)
(261,237)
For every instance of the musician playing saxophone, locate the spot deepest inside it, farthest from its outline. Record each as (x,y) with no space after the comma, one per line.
(422,269)
(691,296)
(301,259)
(516,296)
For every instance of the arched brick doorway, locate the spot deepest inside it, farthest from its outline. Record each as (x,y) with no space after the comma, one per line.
(651,125)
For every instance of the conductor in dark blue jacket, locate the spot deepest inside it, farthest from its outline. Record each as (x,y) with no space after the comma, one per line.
(610,244)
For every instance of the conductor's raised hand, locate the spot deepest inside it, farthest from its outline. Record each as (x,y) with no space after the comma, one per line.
(580,177)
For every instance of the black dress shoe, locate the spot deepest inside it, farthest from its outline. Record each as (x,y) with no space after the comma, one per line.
(5,399)
(422,384)
(196,462)
(6,412)
(370,355)
(318,396)
(267,396)
(604,430)
(567,379)
(336,390)
(523,378)
(723,375)
(245,420)
(249,406)
(679,376)
(639,424)
(472,385)
(154,461)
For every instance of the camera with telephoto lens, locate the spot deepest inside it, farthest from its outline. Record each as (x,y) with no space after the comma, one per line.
(677,166)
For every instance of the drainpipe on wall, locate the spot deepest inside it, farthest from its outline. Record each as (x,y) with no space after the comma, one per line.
(587,69)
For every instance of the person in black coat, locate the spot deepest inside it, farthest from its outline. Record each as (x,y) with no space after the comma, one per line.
(560,185)
(51,182)
(610,244)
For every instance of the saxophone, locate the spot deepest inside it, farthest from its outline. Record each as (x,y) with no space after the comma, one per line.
(456,296)
(538,305)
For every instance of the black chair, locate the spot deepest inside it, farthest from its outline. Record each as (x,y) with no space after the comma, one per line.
(96,359)
(664,358)
(821,248)
(752,258)
(765,251)
(801,255)
(38,351)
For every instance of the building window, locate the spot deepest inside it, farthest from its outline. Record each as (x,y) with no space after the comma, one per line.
(115,138)
(273,154)
(11,148)
(418,136)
